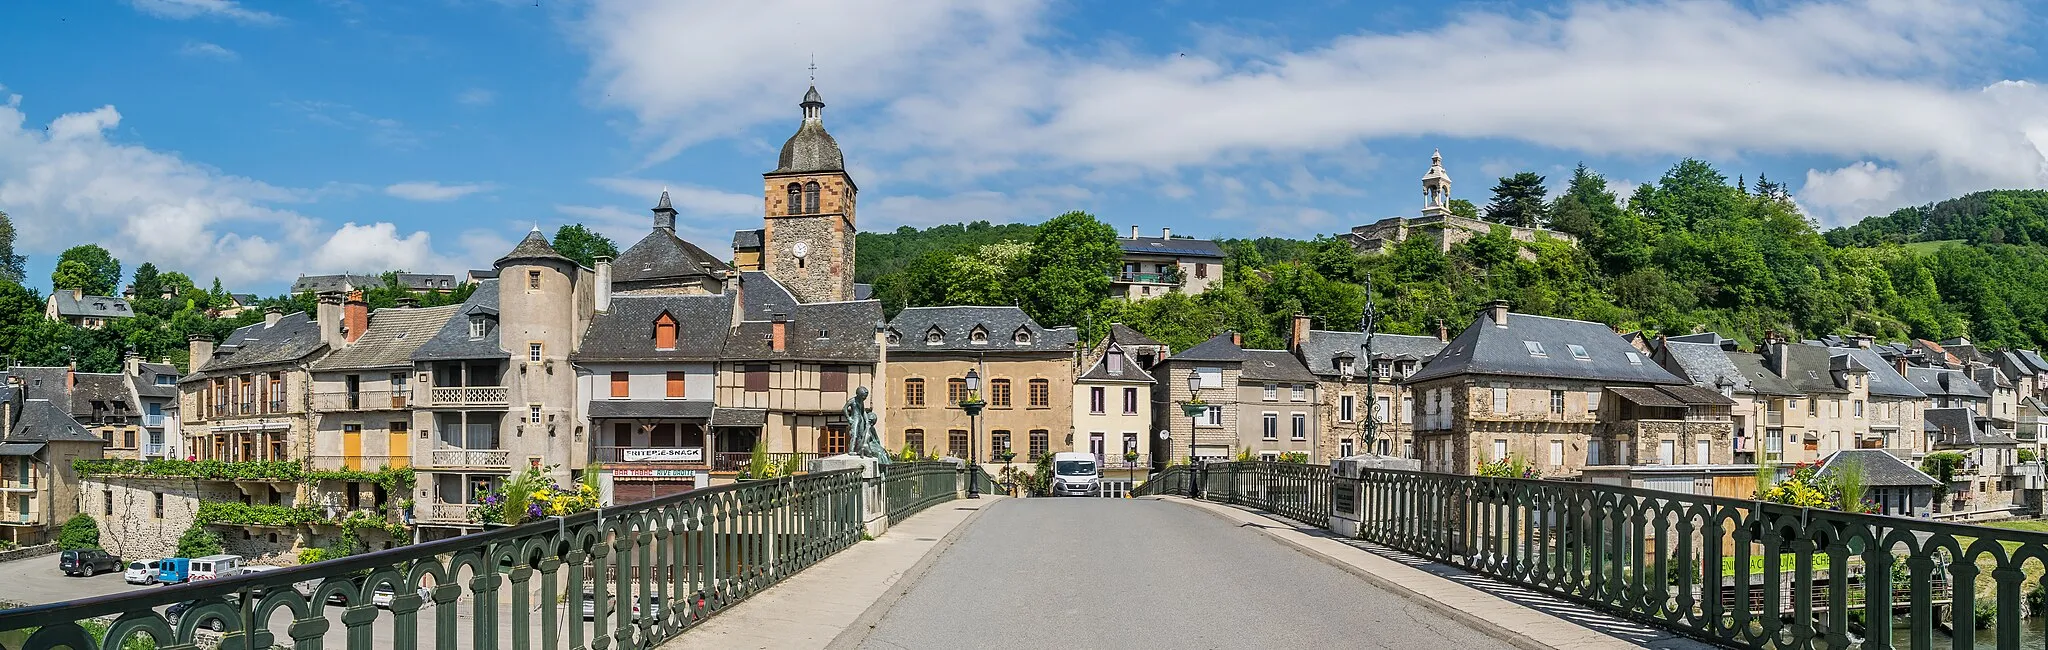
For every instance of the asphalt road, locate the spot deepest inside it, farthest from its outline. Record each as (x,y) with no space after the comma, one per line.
(1137,573)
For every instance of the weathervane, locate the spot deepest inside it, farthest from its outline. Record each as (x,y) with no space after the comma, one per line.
(814,68)
(1369,320)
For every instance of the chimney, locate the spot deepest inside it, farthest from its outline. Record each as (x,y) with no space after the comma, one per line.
(201,349)
(604,283)
(778,332)
(1443,334)
(1901,363)
(1236,339)
(355,316)
(71,376)
(271,316)
(1862,341)
(131,362)
(77,294)
(1166,233)
(1134,231)
(1498,311)
(1299,337)
(327,314)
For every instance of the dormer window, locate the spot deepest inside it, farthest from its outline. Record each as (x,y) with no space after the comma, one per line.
(478,327)
(1578,351)
(1022,337)
(1116,362)
(1535,348)
(894,338)
(665,332)
(978,336)
(934,337)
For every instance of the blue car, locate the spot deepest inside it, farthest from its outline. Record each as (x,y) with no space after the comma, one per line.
(174,570)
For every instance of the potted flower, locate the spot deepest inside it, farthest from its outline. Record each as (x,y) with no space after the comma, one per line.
(1005,456)
(1131,456)
(1194,407)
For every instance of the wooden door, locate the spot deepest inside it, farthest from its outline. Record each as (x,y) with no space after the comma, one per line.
(352,446)
(401,445)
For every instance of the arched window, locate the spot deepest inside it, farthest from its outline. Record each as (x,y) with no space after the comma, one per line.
(796,199)
(811,197)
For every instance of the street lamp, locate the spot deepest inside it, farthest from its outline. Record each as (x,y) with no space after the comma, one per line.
(1193,408)
(973,406)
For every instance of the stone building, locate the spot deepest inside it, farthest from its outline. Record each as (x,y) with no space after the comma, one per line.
(1153,266)
(73,307)
(105,404)
(39,490)
(1344,403)
(788,366)
(501,395)
(365,391)
(1259,401)
(1026,372)
(1437,223)
(807,241)
(154,386)
(1533,387)
(247,398)
(1113,409)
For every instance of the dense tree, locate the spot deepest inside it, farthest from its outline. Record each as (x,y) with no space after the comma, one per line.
(878,255)
(79,532)
(1066,275)
(198,542)
(1463,208)
(1518,201)
(13,268)
(89,268)
(583,244)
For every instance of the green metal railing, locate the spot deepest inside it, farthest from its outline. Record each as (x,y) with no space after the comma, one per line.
(652,570)
(909,488)
(1731,571)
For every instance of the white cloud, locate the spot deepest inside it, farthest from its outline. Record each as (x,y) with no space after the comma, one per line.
(68,183)
(186,9)
(1859,189)
(204,50)
(968,89)
(476,97)
(383,131)
(435,191)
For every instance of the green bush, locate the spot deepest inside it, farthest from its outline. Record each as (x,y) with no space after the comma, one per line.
(2028,455)
(198,542)
(80,532)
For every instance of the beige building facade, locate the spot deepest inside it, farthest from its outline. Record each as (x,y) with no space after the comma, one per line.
(1025,372)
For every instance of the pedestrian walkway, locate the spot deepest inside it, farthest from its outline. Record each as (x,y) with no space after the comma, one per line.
(816,605)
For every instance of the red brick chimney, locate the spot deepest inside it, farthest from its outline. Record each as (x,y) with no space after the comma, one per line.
(355,316)
(778,332)
(1443,334)
(1236,339)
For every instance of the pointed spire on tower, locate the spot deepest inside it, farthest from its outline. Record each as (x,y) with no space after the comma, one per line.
(664,212)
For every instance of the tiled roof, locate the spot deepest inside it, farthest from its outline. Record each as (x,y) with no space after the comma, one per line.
(1538,346)
(42,420)
(1880,468)
(1944,382)
(661,255)
(1323,346)
(534,247)
(1274,365)
(393,336)
(1884,380)
(295,337)
(326,283)
(1121,333)
(956,327)
(1179,247)
(110,390)
(825,331)
(626,332)
(91,306)
(453,341)
(1128,370)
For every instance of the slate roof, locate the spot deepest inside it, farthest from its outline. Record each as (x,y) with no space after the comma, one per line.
(293,338)
(746,239)
(1121,333)
(339,282)
(145,380)
(91,306)
(1322,347)
(626,332)
(110,390)
(763,296)
(391,339)
(453,341)
(2033,360)
(863,291)
(956,324)
(47,382)
(661,255)
(738,417)
(428,281)
(1938,382)
(1884,380)
(244,299)
(1958,427)
(482,274)
(1810,370)
(1647,396)
(811,149)
(1697,395)
(1274,365)
(42,420)
(1488,349)
(1991,378)
(848,328)
(1217,349)
(654,408)
(1127,371)
(1163,246)
(1762,380)
(1705,364)
(534,247)
(1880,468)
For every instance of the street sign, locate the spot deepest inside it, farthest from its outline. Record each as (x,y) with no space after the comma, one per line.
(667,455)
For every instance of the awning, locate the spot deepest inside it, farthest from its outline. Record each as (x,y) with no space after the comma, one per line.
(1696,395)
(678,409)
(1648,397)
(734,417)
(19,448)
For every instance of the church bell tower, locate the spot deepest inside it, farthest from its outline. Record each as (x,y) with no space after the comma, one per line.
(808,238)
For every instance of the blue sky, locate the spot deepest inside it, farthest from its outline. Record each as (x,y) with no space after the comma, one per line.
(255,141)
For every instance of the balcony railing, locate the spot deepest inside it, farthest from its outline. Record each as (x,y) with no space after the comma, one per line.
(1146,278)
(362,400)
(153,421)
(1774,418)
(685,455)
(153,449)
(467,395)
(493,458)
(29,485)
(1116,461)
(448,513)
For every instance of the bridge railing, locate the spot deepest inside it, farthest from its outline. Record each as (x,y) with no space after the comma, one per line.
(909,488)
(651,570)
(1733,571)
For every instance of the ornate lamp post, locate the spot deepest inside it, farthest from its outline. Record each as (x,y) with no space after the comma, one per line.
(1369,320)
(972,405)
(1193,408)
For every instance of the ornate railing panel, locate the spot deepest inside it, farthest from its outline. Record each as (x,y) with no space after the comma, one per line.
(651,570)
(908,488)
(1731,571)
(454,457)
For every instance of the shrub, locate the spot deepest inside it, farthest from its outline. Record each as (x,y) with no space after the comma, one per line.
(198,542)
(80,532)
(2028,455)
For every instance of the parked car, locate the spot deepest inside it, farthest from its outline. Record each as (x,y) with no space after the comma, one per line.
(87,562)
(383,595)
(177,611)
(142,573)
(173,570)
(216,566)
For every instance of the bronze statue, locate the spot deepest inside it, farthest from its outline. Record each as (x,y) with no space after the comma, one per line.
(860,428)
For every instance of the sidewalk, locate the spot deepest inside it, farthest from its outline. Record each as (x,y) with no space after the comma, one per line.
(812,607)
(1518,615)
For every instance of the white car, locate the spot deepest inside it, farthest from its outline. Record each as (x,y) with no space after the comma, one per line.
(141,573)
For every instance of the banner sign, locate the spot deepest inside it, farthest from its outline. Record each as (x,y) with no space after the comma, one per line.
(669,455)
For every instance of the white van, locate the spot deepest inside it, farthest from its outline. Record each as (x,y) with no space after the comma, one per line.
(1075,473)
(216,566)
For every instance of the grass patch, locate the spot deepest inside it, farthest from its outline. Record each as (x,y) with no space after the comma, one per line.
(1928,247)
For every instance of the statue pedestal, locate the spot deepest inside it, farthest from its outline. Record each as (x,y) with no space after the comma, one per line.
(874,509)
